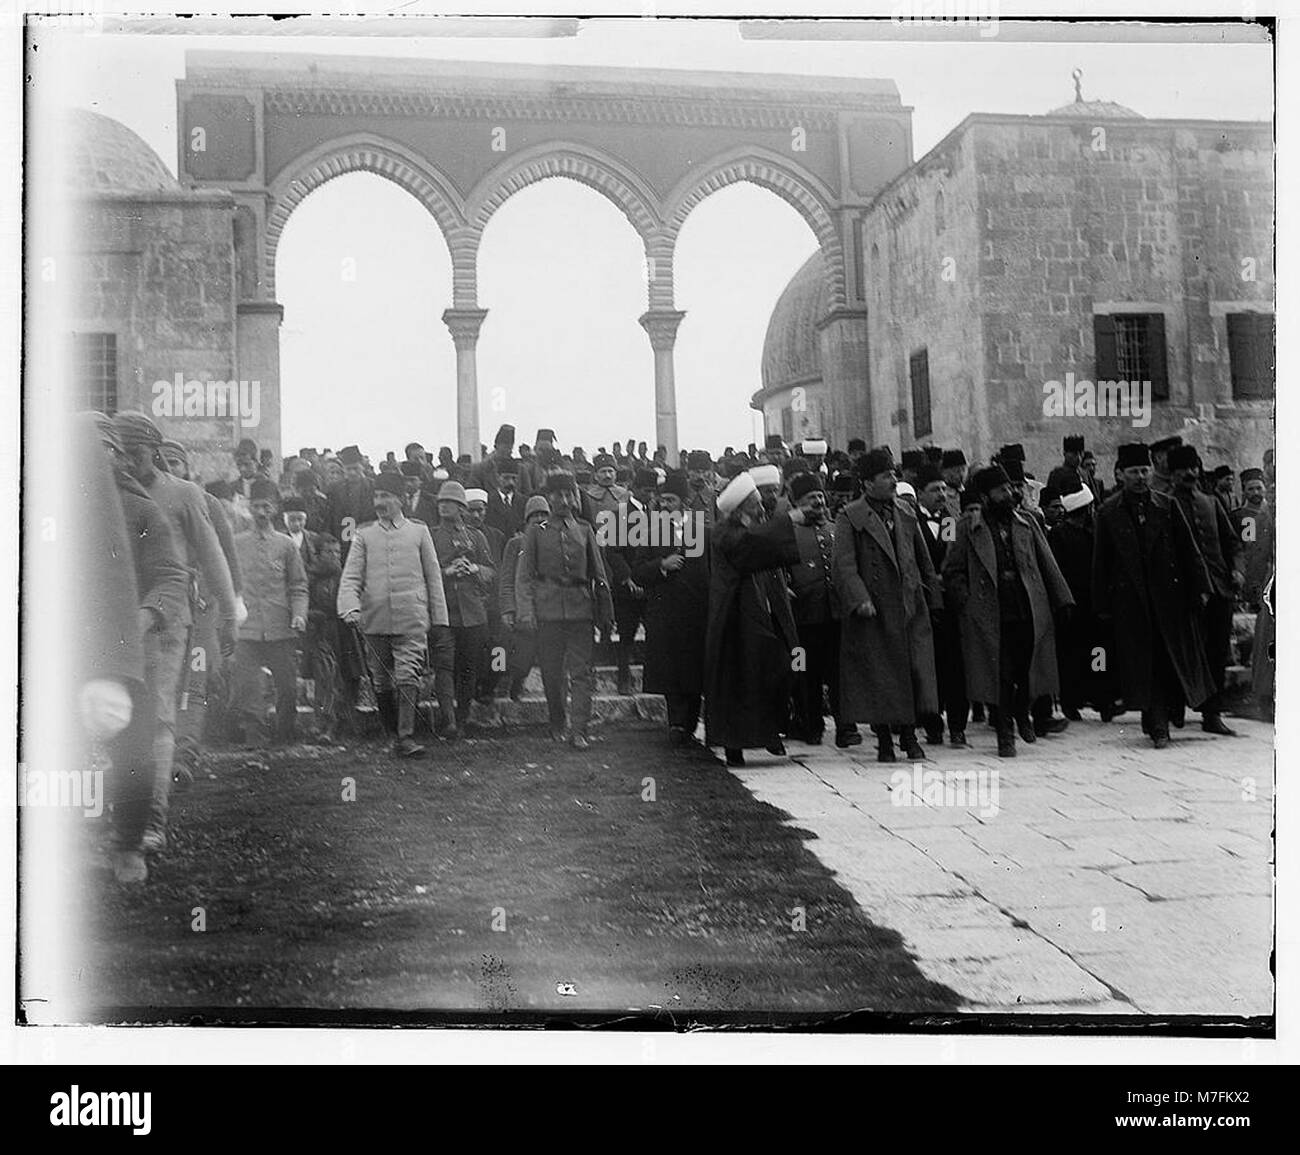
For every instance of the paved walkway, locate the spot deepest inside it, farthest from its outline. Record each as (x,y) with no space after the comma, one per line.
(1102,876)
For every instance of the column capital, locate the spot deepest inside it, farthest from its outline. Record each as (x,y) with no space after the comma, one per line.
(661,325)
(464,325)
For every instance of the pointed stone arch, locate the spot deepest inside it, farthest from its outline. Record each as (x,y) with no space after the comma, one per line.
(393,162)
(618,183)
(768,170)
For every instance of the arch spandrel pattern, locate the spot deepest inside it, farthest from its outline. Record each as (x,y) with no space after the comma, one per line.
(628,192)
(381,158)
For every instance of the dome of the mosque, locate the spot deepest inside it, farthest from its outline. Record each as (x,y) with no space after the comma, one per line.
(105,156)
(791,354)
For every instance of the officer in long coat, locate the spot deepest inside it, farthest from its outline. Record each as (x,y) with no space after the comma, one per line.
(675,577)
(1149,578)
(1006,586)
(752,636)
(887,587)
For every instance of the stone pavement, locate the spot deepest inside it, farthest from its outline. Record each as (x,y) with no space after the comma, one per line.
(1091,874)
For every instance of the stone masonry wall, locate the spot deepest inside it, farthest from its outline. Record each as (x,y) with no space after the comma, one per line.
(922,279)
(1161,214)
(160,275)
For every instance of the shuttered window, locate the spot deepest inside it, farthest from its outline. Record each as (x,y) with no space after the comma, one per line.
(1251,341)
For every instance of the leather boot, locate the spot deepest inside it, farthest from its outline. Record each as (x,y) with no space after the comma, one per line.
(444,686)
(911,747)
(386,700)
(884,744)
(406,746)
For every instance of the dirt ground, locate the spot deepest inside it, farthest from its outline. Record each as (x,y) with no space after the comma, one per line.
(500,874)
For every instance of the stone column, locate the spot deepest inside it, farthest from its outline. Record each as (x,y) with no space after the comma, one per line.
(465,325)
(661,325)
(257,358)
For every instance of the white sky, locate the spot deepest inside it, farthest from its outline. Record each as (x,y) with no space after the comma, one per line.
(560,270)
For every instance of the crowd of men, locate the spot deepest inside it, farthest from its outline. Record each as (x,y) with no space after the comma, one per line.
(777,586)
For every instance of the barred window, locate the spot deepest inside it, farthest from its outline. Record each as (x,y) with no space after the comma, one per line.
(1251,339)
(1131,347)
(94,371)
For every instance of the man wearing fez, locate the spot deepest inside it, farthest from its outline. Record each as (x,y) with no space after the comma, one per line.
(315,503)
(522,643)
(275,591)
(702,485)
(505,509)
(413,476)
(1006,588)
(939,527)
(1150,581)
(560,588)
(816,604)
(467,568)
(1221,486)
(1222,551)
(887,588)
(953,467)
(1162,480)
(1253,523)
(1071,539)
(391,589)
(676,585)
(351,502)
(1071,459)
(912,461)
(1088,471)
(532,473)
(843,489)
(750,647)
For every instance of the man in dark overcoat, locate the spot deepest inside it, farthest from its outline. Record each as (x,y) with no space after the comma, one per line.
(751,636)
(1149,578)
(1006,586)
(675,577)
(887,588)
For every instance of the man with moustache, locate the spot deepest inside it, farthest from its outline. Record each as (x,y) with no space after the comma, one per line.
(1252,521)
(1150,581)
(702,483)
(887,588)
(1007,589)
(391,589)
(751,638)
(816,605)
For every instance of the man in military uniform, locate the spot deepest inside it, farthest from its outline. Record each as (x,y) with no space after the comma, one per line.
(391,589)
(561,586)
(702,484)
(816,605)
(1253,523)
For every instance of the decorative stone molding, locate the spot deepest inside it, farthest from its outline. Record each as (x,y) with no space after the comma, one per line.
(562,161)
(661,325)
(791,188)
(464,325)
(296,184)
(813,111)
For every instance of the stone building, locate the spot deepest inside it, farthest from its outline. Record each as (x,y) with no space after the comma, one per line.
(152,295)
(1089,244)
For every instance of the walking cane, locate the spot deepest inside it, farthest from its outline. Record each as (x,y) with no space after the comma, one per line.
(370,653)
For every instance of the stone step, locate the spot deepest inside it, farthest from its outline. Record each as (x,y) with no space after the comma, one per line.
(605,681)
